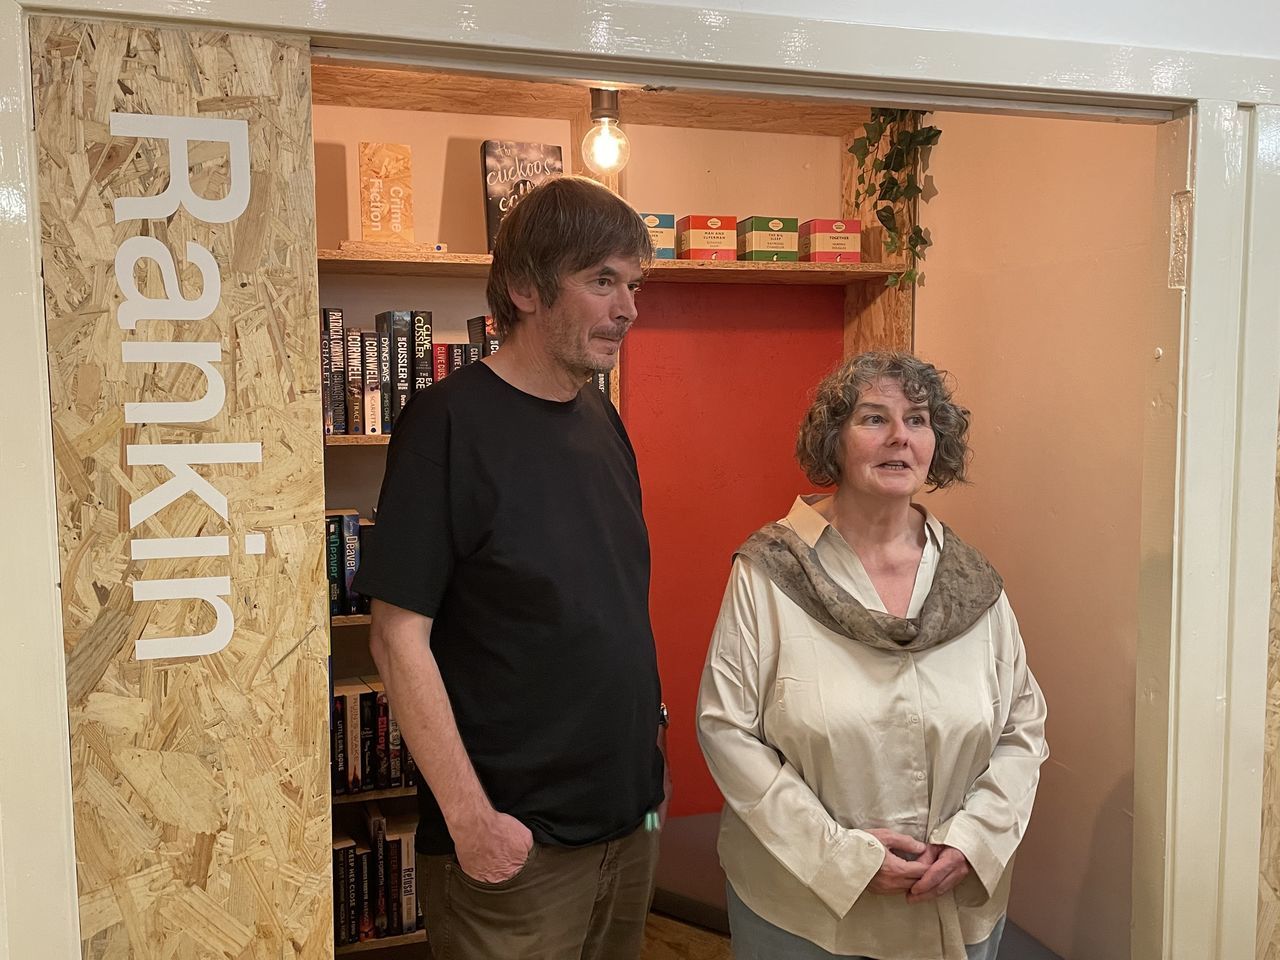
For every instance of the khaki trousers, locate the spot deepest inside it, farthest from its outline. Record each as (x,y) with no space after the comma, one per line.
(583,903)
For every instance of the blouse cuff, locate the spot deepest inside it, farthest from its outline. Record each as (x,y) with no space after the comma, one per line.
(960,833)
(845,874)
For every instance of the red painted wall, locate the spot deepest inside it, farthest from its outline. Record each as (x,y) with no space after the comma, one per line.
(715,379)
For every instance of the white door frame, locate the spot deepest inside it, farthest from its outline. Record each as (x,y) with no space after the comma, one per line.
(1210,694)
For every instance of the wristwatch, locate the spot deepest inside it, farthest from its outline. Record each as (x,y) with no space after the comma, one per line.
(664,720)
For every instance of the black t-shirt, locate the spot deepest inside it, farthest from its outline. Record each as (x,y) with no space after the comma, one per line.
(515,523)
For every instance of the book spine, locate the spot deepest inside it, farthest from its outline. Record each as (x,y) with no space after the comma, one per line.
(338,749)
(378,885)
(382,746)
(334,334)
(602,381)
(364,866)
(350,558)
(424,374)
(326,380)
(351,712)
(457,356)
(410,765)
(368,738)
(372,392)
(385,381)
(355,382)
(333,563)
(491,345)
(476,328)
(395,925)
(440,360)
(353,895)
(402,362)
(408,885)
(473,352)
(339,896)
(395,748)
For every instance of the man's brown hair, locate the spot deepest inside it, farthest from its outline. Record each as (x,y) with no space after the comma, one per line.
(562,226)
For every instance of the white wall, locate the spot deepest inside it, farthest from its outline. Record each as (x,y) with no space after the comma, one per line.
(1245,27)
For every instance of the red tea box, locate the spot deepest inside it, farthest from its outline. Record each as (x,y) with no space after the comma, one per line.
(831,241)
(707,238)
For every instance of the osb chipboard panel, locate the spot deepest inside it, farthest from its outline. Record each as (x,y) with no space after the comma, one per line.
(183,367)
(1269,879)
(386,193)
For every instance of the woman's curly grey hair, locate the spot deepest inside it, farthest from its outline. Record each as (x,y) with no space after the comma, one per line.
(818,444)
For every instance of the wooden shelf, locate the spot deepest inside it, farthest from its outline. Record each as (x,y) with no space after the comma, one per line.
(357,440)
(364,795)
(354,620)
(418,936)
(377,259)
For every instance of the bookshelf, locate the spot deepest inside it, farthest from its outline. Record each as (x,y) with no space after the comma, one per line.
(365,795)
(381,259)
(365,946)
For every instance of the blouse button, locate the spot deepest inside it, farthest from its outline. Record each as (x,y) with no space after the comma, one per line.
(914,719)
(919,775)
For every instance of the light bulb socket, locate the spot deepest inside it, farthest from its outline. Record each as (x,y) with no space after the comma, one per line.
(604,104)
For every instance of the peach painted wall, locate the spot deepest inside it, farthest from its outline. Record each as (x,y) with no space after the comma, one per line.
(678,170)
(1038,287)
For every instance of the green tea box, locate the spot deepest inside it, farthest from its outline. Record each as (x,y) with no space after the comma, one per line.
(768,238)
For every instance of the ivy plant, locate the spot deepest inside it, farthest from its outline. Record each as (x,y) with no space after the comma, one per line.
(890,179)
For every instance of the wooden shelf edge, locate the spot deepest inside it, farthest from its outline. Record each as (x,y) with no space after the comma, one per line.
(374,259)
(357,439)
(364,946)
(351,620)
(365,795)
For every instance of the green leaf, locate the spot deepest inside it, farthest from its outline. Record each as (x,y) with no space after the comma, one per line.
(859,149)
(873,131)
(909,277)
(911,192)
(896,160)
(892,280)
(887,219)
(877,164)
(927,136)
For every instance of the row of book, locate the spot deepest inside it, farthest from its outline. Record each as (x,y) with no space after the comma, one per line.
(368,376)
(344,532)
(366,750)
(375,886)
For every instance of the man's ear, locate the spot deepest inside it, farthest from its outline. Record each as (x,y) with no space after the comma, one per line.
(526,300)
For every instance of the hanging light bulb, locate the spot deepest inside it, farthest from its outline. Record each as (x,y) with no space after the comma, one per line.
(605,148)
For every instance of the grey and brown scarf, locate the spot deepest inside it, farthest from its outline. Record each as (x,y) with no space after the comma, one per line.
(965,586)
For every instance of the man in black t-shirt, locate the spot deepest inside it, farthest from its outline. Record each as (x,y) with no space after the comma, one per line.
(509,571)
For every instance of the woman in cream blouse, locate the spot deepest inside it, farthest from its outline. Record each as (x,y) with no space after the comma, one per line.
(866,706)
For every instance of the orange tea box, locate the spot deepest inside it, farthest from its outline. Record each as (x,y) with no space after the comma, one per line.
(707,238)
